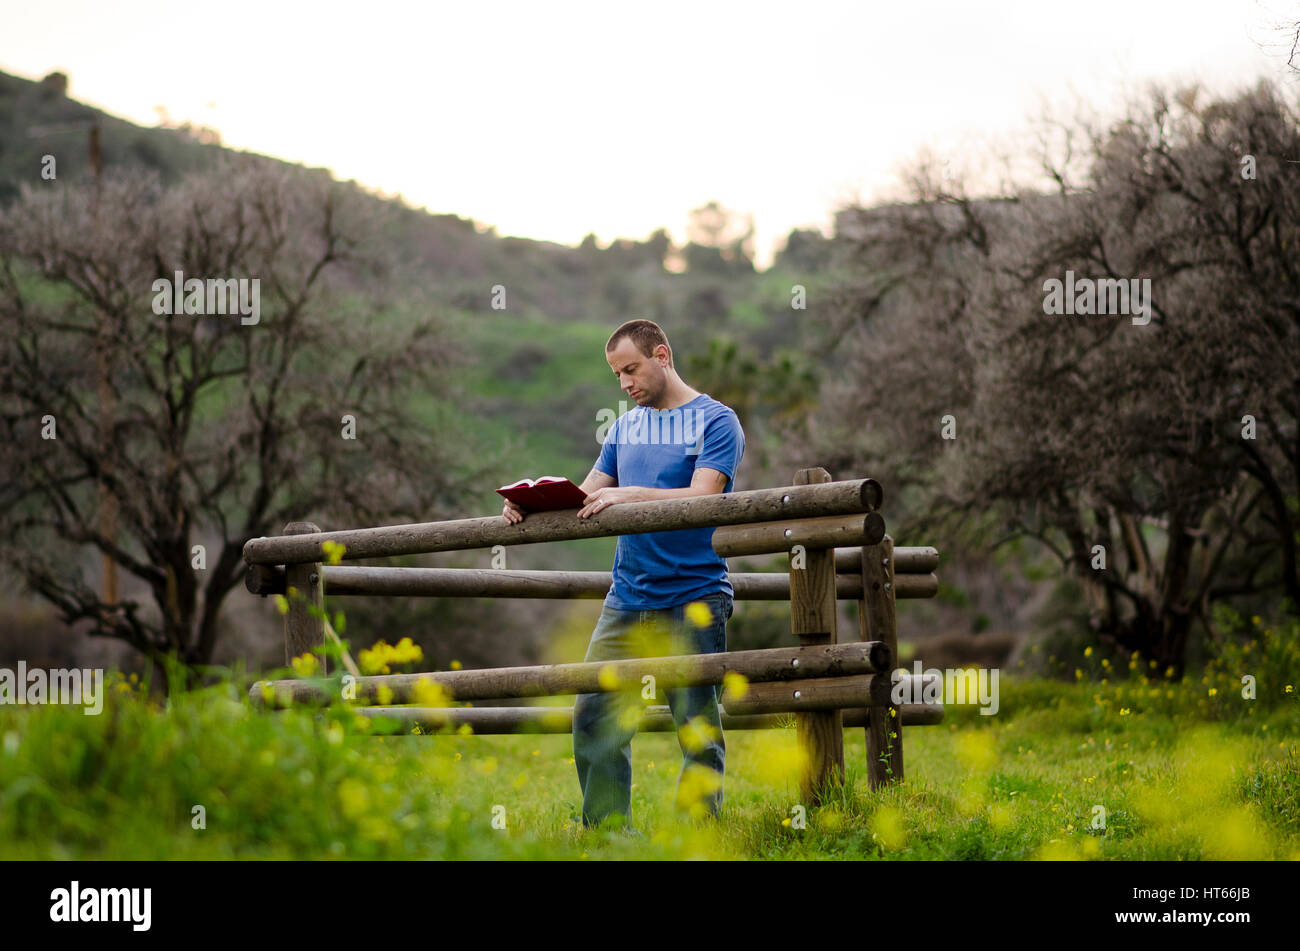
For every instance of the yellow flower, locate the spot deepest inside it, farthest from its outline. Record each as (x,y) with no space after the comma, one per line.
(305,665)
(698,733)
(373,660)
(455,665)
(1087,652)
(629,716)
(976,751)
(887,828)
(697,784)
(407,652)
(735,684)
(1124,711)
(608,678)
(427,693)
(333,551)
(354,798)
(697,612)
(377,659)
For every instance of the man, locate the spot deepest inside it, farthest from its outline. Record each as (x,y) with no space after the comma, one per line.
(670,592)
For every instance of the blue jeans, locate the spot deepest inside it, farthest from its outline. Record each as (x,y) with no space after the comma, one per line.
(604,723)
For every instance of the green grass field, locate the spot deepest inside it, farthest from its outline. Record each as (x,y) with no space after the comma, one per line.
(1180,771)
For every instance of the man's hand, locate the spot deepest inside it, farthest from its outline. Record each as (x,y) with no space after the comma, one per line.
(602,499)
(512,513)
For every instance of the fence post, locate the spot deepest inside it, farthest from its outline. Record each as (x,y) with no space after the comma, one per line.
(812,619)
(879,622)
(303,630)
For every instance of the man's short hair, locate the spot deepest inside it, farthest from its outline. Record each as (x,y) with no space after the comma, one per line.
(645,336)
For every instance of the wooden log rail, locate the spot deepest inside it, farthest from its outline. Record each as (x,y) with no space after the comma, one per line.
(907,560)
(349,581)
(496,721)
(553,680)
(770,537)
(858,496)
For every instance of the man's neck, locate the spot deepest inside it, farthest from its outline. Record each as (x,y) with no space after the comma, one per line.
(675,397)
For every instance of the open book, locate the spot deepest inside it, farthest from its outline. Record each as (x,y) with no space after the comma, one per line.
(544,494)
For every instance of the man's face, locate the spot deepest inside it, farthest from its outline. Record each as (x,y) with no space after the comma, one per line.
(640,377)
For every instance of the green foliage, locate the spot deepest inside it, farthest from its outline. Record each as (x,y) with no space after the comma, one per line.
(303,783)
(1269,652)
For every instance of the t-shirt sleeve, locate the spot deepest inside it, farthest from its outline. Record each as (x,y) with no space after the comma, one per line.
(723,445)
(607,462)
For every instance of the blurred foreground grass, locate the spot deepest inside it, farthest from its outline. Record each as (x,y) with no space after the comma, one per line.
(1176,778)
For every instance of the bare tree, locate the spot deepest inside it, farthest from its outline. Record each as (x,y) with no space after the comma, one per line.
(203,423)
(1094,430)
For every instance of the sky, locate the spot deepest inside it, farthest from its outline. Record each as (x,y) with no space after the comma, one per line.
(551,120)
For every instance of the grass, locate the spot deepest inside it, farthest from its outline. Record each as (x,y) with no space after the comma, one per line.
(1173,780)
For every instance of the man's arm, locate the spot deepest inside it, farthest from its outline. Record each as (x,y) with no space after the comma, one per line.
(597,480)
(704,481)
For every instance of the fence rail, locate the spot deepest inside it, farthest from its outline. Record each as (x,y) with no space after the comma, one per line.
(345,581)
(826,685)
(630,518)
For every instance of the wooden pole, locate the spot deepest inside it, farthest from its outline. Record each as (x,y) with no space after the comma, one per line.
(654,719)
(907,560)
(499,683)
(879,621)
(630,518)
(812,620)
(819,693)
(767,537)
(358,581)
(303,629)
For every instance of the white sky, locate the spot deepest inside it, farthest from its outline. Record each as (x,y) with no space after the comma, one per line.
(553,119)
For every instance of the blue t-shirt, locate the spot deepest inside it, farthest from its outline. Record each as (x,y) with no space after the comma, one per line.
(661,449)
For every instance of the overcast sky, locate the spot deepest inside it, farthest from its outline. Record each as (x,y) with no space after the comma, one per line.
(553,119)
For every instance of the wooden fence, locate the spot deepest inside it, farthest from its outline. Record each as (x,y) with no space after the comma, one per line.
(835,538)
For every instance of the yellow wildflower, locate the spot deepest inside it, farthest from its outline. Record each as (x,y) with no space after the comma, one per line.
(735,684)
(697,612)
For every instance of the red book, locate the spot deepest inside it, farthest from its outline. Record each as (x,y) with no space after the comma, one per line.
(544,494)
